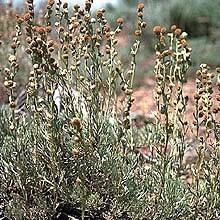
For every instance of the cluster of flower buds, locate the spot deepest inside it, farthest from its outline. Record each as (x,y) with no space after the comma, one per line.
(173,58)
(76,122)
(127,85)
(10,74)
(203,95)
(141,24)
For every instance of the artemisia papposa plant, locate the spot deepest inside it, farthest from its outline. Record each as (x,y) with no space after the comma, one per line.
(72,50)
(173,61)
(206,130)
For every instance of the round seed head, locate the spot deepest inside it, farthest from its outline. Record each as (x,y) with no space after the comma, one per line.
(173,28)
(163,30)
(120,20)
(78,181)
(76,139)
(74,151)
(75,121)
(138,32)
(27,16)
(157,30)
(12,104)
(177,32)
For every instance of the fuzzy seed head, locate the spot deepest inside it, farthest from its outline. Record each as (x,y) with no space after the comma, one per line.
(141,6)
(13,46)
(12,104)
(128,91)
(157,30)
(138,32)
(76,139)
(65,56)
(140,14)
(20,20)
(120,20)
(75,121)
(163,30)
(196,96)
(78,181)
(48,29)
(27,16)
(99,14)
(177,32)
(173,28)
(183,43)
(74,151)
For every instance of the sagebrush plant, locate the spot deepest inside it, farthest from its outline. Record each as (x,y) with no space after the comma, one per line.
(80,159)
(83,155)
(173,61)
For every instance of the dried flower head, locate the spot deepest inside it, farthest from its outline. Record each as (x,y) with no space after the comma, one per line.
(28,50)
(65,56)
(12,104)
(51,2)
(27,16)
(140,6)
(76,139)
(75,121)
(138,32)
(177,32)
(20,20)
(196,96)
(65,5)
(40,30)
(75,24)
(76,6)
(50,43)
(183,43)
(120,20)
(74,151)
(99,14)
(78,181)
(128,91)
(163,30)
(157,30)
(143,24)
(140,14)
(87,5)
(13,46)
(173,28)
(86,56)
(48,29)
